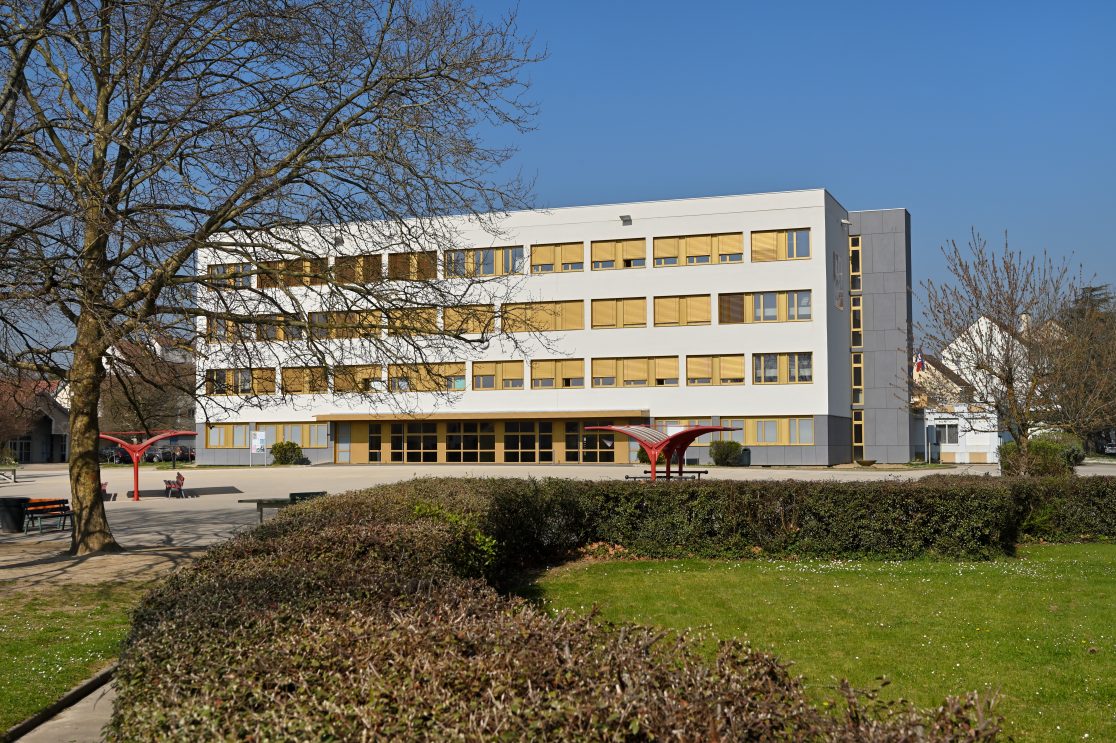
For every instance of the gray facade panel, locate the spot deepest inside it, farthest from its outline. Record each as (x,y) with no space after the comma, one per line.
(885,248)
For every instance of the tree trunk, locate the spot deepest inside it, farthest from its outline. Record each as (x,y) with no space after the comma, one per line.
(91,529)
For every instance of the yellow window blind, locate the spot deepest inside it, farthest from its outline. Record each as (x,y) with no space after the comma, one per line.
(604,250)
(604,367)
(263,381)
(634,370)
(731,367)
(665,370)
(360,378)
(666,310)
(542,371)
(473,318)
(697,310)
(696,245)
(666,247)
(730,243)
(603,313)
(572,315)
(765,246)
(543,255)
(699,370)
(633,249)
(635,312)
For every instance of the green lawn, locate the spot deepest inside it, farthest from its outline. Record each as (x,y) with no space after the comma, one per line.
(50,640)
(1040,630)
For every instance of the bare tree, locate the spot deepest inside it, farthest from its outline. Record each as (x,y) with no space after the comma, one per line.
(1082,383)
(996,325)
(207,169)
(18,407)
(147,390)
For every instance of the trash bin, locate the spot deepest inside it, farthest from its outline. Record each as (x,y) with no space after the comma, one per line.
(745,457)
(11,514)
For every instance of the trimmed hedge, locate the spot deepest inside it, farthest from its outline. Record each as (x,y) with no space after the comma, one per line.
(357,617)
(1055,509)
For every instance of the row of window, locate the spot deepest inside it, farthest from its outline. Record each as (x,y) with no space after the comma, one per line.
(524,317)
(605,255)
(653,371)
(523,441)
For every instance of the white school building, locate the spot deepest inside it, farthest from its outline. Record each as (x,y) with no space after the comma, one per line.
(781,314)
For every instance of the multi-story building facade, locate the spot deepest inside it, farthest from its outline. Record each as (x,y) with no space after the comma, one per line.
(733,311)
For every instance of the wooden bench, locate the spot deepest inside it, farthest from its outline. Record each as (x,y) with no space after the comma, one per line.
(174,487)
(8,473)
(38,511)
(300,497)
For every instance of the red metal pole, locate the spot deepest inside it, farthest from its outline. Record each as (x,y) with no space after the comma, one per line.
(135,473)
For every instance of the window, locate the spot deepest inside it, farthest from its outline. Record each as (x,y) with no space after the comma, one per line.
(426,377)
(637,371)
(226,436)
(766,431)
(239,381)
(630,312)
(589,446)
(471,441)
(472,318)
(357,378)
(730,309)
(358,269)
(801,431)
(947,433)
(765,307)
(798,244)
(799,305)
(414,442)
(857,378)
(497,375)
(563,374)
(858,434)
(699,250)
(618,254)
(688,310)
(765,368)
(484,262)
(304,380)
(229,275)
(528,441)
(854,263)
(413,321)
(416,266)
(558,258)
(800,367)
(780,245)
(526,317)
(220,329)
(710,370)
(856,321)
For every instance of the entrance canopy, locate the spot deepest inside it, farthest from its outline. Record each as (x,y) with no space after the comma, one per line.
(136,451)
(655,442)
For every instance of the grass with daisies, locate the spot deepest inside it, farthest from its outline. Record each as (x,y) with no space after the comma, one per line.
(1038,630)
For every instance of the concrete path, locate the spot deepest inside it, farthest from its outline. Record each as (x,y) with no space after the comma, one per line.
(81,723)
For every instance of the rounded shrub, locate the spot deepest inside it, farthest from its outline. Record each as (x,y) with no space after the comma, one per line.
(286,452)
(1040,458)
(725,453)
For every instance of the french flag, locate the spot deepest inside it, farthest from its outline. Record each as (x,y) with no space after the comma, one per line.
(919,363)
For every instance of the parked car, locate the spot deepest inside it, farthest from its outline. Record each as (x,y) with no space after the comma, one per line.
(114,455)
(1110,448)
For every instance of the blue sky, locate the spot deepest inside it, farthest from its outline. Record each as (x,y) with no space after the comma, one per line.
(994,115)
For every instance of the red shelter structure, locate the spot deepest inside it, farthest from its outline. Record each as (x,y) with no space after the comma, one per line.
(655,442)
(136,451)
